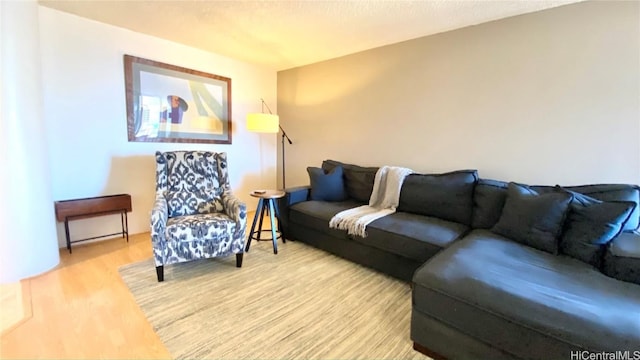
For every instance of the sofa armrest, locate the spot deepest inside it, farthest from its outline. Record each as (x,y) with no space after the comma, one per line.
(292,196)
(622,259)
(236,210)
(297,194)
(159,216)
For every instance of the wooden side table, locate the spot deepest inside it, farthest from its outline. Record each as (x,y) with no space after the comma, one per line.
(74,209)
(267,202)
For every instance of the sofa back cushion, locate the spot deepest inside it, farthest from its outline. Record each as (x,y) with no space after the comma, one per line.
(488,199)
(446,196)
(358,180)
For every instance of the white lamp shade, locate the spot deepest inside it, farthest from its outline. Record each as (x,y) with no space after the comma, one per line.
(264,123)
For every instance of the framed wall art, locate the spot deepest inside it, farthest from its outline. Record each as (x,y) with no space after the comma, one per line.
(168,103)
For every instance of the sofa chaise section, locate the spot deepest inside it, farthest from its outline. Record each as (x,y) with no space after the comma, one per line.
(507,300)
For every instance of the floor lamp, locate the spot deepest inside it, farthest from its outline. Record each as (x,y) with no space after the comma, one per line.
(268,123)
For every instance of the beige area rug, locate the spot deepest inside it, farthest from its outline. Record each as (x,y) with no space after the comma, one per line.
(300,304)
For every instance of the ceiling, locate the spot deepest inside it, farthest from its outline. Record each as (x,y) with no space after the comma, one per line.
(285,34)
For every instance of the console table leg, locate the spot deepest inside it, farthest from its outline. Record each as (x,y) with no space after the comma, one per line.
(66,231)
(126,225)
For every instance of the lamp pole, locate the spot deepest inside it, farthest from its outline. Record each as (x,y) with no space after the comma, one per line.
(284,135)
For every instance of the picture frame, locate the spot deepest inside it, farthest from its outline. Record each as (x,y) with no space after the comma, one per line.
(169,103)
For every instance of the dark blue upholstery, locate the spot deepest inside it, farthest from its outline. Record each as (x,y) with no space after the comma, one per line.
(413,236)
(481,295)
(327,186)
(447,196)
(357,179)
(527,302)
(316,215)
(533,219)
(590,226)
(622,259)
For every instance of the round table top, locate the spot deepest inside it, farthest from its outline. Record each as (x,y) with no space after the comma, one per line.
(268,194)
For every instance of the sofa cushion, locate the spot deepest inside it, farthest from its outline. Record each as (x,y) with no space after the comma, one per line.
(446,196)
(533,219)
(327,186)
(622,259)
(358,180)
(608,192)
(216,228)
(590,225)
(488,200)
(316,215)
(412,236)
(526,301)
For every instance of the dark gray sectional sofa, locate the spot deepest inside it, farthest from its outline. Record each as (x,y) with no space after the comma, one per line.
(481,294)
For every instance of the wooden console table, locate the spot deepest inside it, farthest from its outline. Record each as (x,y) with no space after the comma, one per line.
(75,209)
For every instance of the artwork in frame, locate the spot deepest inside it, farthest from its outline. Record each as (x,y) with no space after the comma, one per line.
(168,103)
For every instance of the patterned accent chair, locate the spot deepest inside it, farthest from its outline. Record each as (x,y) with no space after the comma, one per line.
(195,215)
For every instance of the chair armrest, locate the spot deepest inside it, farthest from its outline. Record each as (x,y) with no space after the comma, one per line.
(236,210)
(159,216)
(292,196)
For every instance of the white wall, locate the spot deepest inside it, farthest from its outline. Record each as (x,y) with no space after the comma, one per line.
(544,98)
(84,103)
(25,192)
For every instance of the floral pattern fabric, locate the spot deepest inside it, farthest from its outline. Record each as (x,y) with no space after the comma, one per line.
(195,214)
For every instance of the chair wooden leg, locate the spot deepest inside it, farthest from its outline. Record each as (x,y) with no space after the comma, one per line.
(160,273)
(239,259)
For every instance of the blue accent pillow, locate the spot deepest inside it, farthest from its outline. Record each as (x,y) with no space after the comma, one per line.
(591,225)
(327,186)
(358,180)
(533,219)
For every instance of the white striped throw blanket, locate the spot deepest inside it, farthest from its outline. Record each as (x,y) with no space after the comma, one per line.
(383,201)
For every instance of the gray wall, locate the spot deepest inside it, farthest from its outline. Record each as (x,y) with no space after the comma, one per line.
(549,97)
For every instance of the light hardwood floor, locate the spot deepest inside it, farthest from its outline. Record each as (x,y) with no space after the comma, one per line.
(83,309)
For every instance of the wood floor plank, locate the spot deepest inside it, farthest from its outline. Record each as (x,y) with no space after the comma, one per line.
(82,309)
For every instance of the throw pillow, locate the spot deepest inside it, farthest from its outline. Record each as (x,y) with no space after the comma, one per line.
(533,219)
(607,192)
(327,186)
(488,200)
(446,196)
(590,225)
(358,180)
(615,192)
(182,202)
